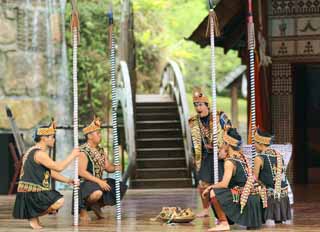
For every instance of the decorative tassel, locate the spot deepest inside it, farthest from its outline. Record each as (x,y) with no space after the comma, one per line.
(75,22)
(216,26)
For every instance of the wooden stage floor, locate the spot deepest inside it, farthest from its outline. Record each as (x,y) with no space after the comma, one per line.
(140,205)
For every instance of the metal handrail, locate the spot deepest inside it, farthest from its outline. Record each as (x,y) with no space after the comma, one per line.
(125,98)
(172,83)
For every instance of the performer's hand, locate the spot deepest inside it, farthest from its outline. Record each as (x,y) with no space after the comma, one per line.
(205,192)
(117,168)
(104,185)
(73,182)
(209,147)
(75,152)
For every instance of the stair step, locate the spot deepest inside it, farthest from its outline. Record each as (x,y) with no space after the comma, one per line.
(148,173)
(158,124)
(157,109)
(156,104)
(159,142)
(146,98)
(159,133)
(156,116)
(172,152)
(161,162)
(162,183)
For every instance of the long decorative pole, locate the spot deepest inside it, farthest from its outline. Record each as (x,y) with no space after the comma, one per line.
(251,48)
(75,26)
(214,30)
(114,112)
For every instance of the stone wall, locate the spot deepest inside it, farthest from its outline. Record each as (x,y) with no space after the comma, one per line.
(30,64)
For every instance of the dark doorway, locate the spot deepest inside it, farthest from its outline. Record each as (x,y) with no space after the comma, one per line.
(307,123)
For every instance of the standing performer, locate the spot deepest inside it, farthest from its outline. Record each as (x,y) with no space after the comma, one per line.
(95,192)
(202,135)
(35,197)
(269,169)
(236,198)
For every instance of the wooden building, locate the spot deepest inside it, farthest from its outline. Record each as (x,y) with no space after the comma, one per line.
(287,71)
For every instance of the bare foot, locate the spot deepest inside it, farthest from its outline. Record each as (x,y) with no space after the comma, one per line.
(204,213)
(38,220)
(52,212)
(220,227)
(34,223)
(84,216)
(97,211)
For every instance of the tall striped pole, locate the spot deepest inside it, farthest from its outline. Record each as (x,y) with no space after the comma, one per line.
(75,41)
(213,31)
(114,112)
(251,48)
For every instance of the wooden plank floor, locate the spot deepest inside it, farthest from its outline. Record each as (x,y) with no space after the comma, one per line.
(140,205)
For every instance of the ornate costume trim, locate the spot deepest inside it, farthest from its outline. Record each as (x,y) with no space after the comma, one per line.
(24,186)
(51,130)
(262,139)
(96,157)
(46,178)
(251,186)
(276,174)
(237,192)
(198,96)
(283,193)
(199,132)
(25,157)
(94,126)
(230,140)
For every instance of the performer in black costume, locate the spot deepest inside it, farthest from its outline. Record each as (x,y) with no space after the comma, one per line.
(95,192)
(237,197)
(201,127)
(35,197)
(269,169)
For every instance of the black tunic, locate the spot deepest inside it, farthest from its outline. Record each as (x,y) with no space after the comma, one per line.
(278,209)
(206,172)
(252,212)
(96,160)
(35,195)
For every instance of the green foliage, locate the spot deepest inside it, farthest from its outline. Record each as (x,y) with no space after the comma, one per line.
(93,57)
(160,30)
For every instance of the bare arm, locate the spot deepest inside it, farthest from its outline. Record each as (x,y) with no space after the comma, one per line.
(83,163)
(110,167)
(43,158)
(228,170)
(57,176)
(258,163)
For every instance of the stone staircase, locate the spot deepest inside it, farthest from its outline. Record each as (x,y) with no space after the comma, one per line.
(160,161)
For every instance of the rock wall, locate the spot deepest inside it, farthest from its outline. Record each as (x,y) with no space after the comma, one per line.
(30,63)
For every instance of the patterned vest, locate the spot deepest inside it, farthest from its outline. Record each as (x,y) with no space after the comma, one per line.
(96,159)
(272,174)
(200,132)
(33,177)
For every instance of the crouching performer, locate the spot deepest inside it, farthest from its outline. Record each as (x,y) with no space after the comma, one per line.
(35,197)
(95,192)
(237,198)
